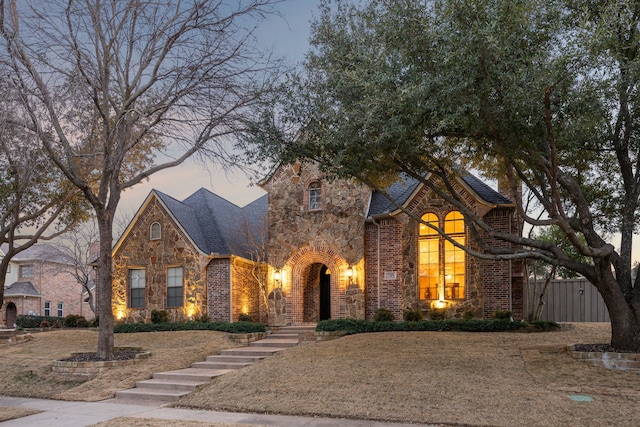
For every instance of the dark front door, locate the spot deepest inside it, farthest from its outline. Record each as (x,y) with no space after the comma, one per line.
(12,314)
(325,294)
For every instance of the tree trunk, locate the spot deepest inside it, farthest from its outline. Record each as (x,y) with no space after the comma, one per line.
(624,315)
(104,289)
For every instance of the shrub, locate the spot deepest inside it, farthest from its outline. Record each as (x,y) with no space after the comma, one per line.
(159,316)
(45,324)
(501,315)
(438,313)
(95,322)
(75,321)
(24,321)
(56,324)
(243,317)
(233,328)
(411,314)
(383,315)
(202,318)
(468,315)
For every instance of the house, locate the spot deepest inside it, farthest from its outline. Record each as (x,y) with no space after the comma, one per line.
(40,282)
(313,249)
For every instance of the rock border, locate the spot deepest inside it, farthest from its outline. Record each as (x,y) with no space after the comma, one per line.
(607,359)
(93,368)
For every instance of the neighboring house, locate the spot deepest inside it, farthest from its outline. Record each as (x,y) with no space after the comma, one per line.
(40,282)
(335,249)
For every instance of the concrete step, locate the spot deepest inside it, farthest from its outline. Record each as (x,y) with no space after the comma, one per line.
(268,342)
(252,351)
(221,365)
(281,336)
(190,374)
(158,384)
(150,394)
(241,359)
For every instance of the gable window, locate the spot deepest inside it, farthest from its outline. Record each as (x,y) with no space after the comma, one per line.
(26,270)
(136,288)
(47,308)
(314,196)
(60,312)
(155,231)
(441,264)
(174,287)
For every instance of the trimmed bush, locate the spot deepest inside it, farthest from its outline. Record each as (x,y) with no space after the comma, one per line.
(233,328)
(24,321)
(75,321)
(438,313)
(504,315)
(159,316)
(243,317)
(383,315)
(352,326)
(411,315)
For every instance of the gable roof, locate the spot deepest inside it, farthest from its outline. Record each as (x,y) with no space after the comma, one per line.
(19,289)
(214,225)
(40,252)
(404,188)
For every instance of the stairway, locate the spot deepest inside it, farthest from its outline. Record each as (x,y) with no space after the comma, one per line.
(172,385)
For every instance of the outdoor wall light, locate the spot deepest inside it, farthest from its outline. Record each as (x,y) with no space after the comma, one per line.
(277,276)
(349,272)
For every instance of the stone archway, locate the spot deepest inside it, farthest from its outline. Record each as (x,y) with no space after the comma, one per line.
(11,315)
(313,268)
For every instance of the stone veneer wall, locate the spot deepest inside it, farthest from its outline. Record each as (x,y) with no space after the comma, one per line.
(173,249)
(332,235)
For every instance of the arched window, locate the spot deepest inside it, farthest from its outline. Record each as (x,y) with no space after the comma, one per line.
(155,231)
(314,196)
(441,264)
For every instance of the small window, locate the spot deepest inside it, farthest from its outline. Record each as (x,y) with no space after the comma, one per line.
(314,194)
(155,231)
(174,287)
(26,270)
(136,288)
(60,311)
(47,308)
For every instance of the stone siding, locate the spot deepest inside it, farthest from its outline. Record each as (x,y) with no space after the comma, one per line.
(173,249)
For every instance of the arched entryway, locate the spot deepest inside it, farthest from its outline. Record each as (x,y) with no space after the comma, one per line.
(316,292)
(11,315)
(317,287)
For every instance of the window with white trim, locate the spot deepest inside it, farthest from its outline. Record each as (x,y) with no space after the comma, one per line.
(47,308)
(26,270)
(155,231)
(60,311)
(136,288)
(174,287)
(314,196)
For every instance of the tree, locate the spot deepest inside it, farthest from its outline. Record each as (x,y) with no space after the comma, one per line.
(117,90)
(543,92)
(36,202)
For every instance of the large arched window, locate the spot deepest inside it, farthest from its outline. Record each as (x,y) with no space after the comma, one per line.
(441,264)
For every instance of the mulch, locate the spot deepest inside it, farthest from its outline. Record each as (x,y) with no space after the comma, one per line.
(93,357)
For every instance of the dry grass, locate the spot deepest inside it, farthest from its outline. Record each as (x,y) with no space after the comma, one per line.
(489,379)
(480,379)
(154,422)
(7,414)
(26,368)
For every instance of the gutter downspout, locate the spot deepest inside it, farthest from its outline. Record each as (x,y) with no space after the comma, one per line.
(511,271)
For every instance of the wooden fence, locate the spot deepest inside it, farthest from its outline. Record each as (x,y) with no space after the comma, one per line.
(574,300)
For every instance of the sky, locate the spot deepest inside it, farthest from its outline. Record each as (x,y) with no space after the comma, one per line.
(288,37)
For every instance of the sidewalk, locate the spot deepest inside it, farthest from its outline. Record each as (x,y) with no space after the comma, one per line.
(58,413)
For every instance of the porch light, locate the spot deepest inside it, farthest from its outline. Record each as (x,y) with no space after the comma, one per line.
(349,272)
(277,276)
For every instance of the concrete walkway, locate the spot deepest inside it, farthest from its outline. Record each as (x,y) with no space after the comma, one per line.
(57,413)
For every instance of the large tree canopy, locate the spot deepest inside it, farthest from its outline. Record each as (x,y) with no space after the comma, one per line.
(117,90)
(543,94)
